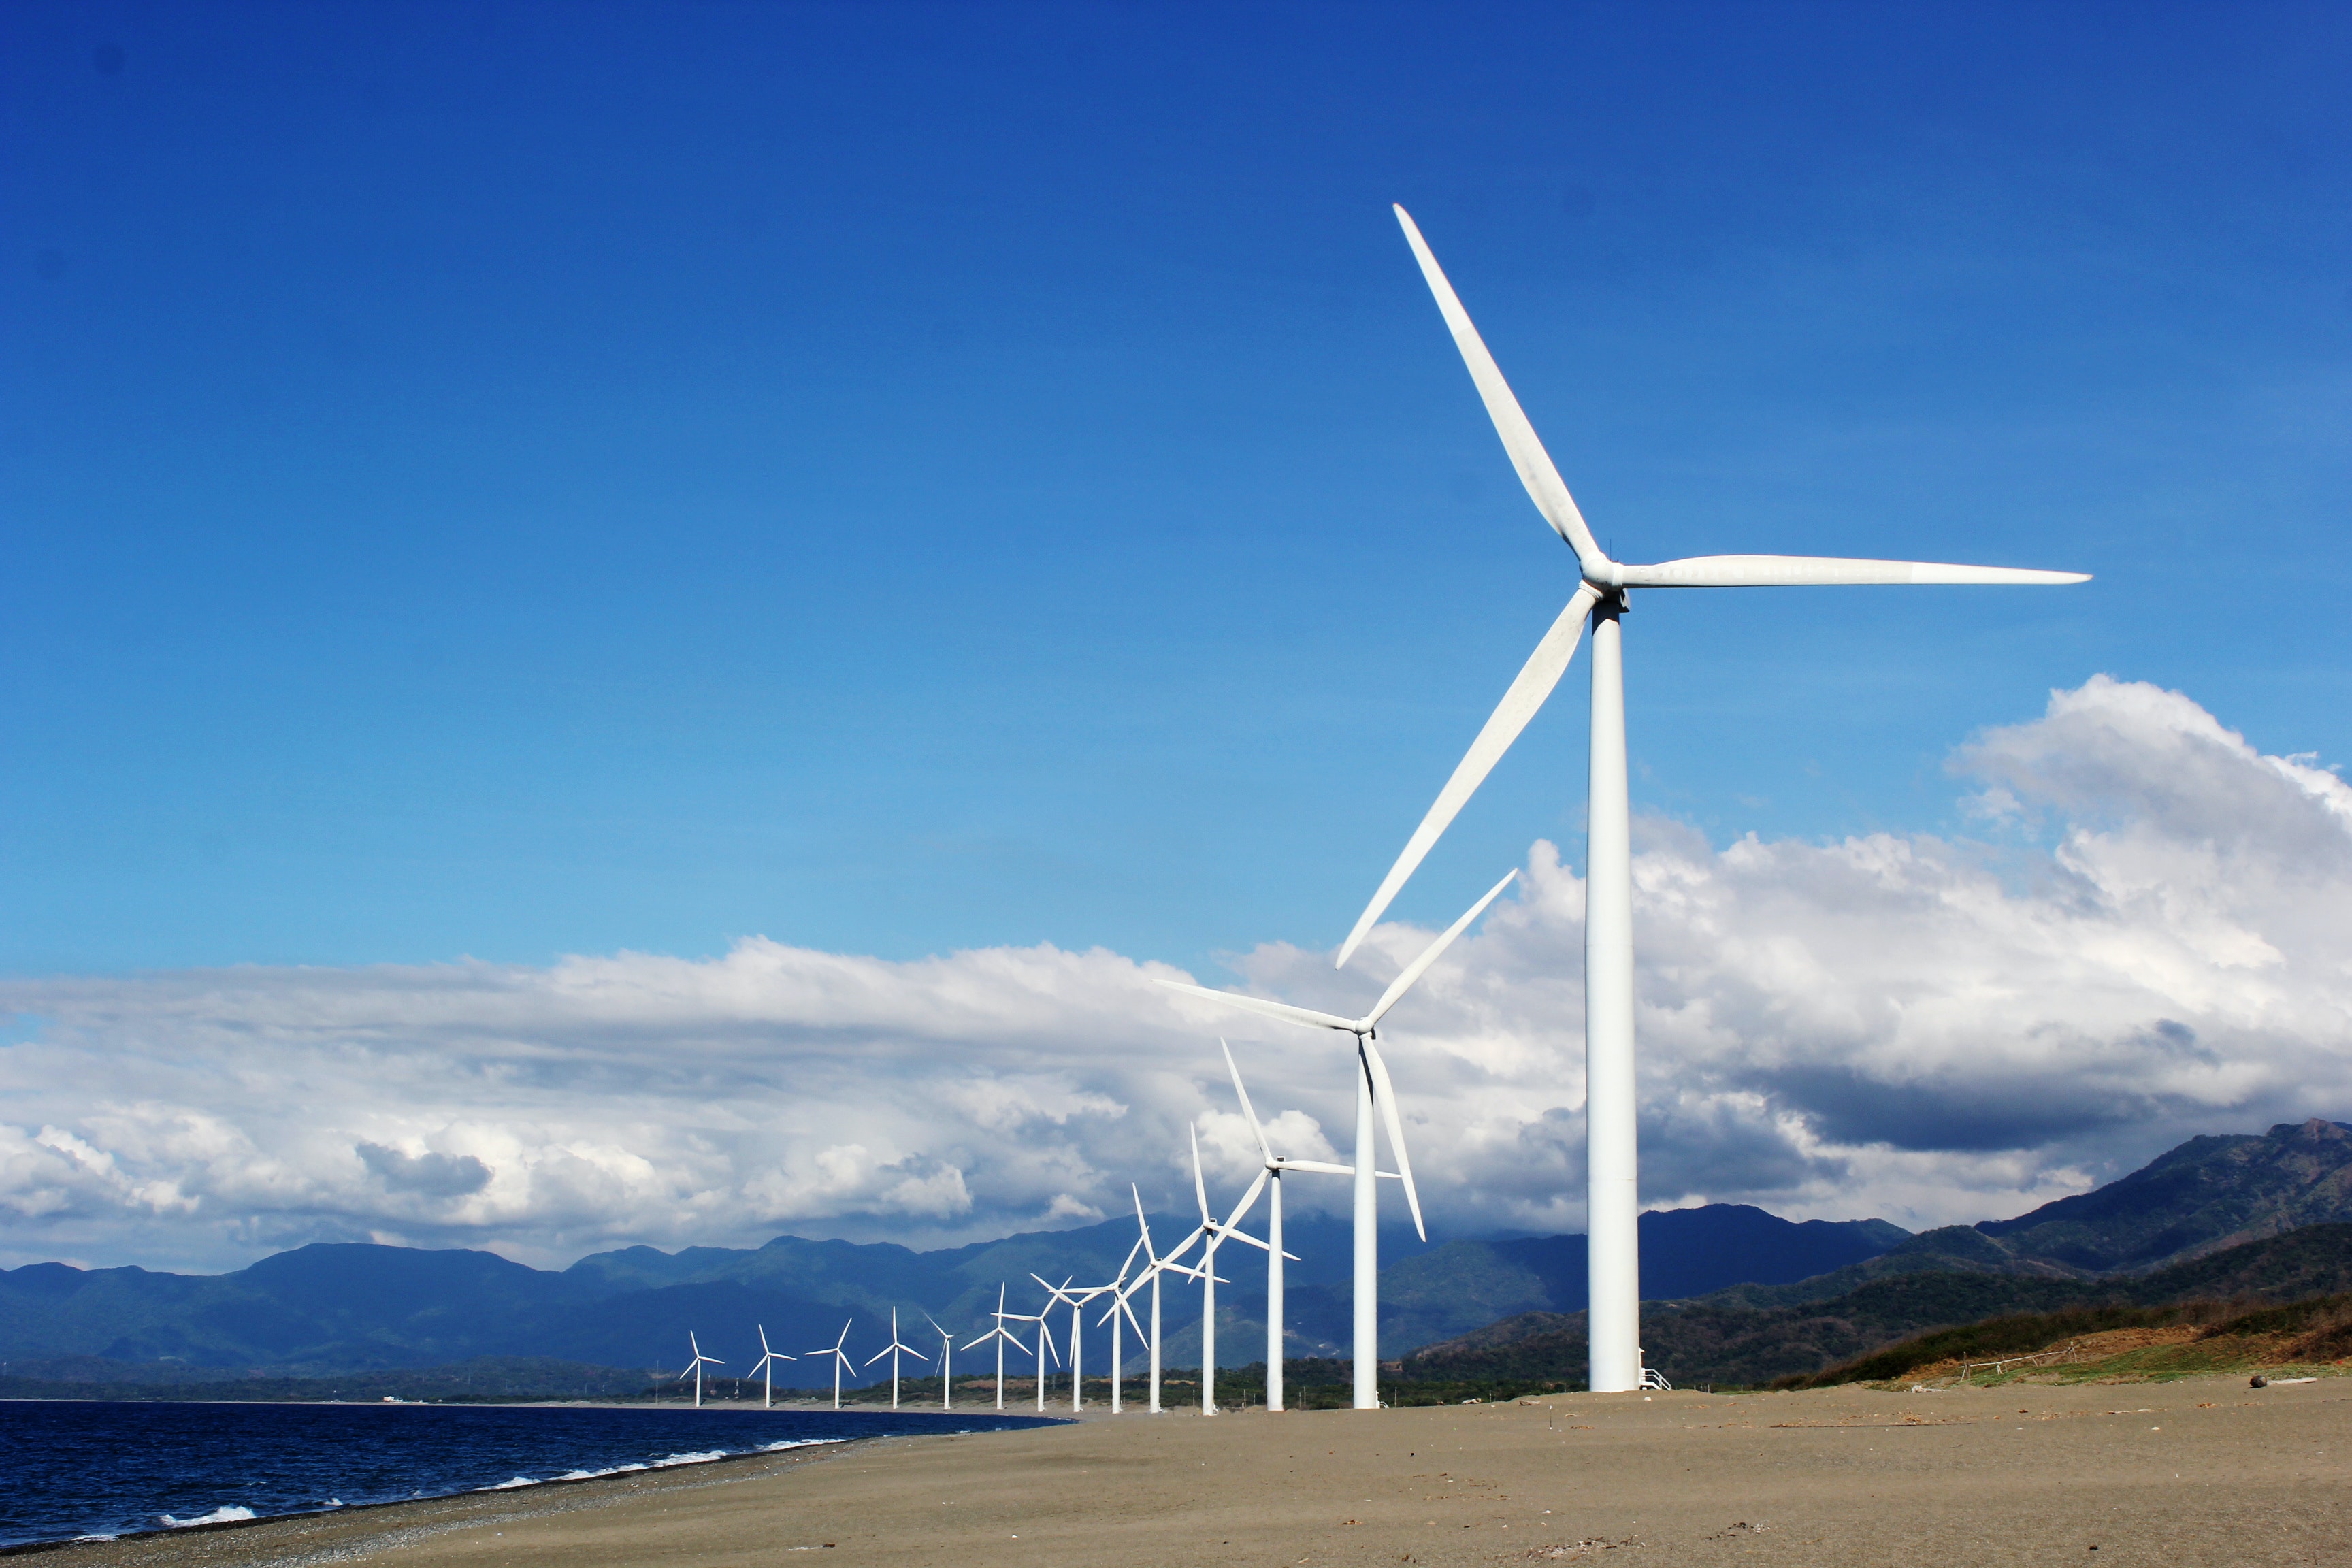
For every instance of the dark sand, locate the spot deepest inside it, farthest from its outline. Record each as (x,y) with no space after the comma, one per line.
(2206,1471)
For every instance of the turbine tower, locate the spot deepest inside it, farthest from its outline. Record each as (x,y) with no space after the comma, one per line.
(1601,599)
(840,1359)
(894,1350)
(1275,1165)
(693,1368)
(947,1363)
(766,1368)
(1373,1091)
(1003,1336)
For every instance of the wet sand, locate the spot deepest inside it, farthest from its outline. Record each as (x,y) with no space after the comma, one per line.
(2204,1471)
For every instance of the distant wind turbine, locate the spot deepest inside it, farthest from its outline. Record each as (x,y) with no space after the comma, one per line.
(1076,1299)
(894,1350)
(1003,1336)
(1217,1234)
(1274,1166)
(766,1368)
(693,1368)
(1614,1261)
(1117,1289)
(947,1363)
(1373,1090)
(840,1359)
(1044,1346)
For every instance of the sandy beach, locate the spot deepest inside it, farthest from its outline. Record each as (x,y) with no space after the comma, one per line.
(2206,1471)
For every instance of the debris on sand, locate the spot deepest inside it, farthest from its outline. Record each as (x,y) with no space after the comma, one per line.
(1580,1548)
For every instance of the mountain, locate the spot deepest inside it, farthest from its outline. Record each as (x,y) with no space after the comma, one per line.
(2206,1195)
(1727,1339)
(347,1308)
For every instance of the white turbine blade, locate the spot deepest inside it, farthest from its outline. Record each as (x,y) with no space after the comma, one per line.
(1263,1147)
(1534,683)
(1420,966)
(1200,1190)
(1142,1225)
(1384,1096)
(1127,1263)
(1282,1010)
(1248,1199)
(1321,1166)
(1823,570)
(1527,455)
(878,1355)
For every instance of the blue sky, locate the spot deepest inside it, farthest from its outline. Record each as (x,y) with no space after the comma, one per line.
(510,481)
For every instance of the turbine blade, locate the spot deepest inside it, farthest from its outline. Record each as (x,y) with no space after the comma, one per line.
(1282,1010)
(1533,684)
(1142,1225)
(1248,1199)
(1527,455)
(1384,1096)
(878,1355)
(1244,1094)
(1420,966)
(1811,571)
(1199,1189)
(1324,1167)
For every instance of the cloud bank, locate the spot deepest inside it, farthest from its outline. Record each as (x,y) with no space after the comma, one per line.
(2147,934)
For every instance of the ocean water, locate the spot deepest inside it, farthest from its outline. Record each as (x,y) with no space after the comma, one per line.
(103,1468)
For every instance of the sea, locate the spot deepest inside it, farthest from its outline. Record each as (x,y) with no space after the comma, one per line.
(97,1469)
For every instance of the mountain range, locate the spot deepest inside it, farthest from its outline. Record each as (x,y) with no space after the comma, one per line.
(336,1308)
(1720,1276)
(2258,1217)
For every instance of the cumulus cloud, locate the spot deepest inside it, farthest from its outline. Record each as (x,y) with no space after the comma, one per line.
(2148,934)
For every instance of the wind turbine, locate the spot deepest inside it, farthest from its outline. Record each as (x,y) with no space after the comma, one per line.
(1044,1344)
(894,1350)
(1154,1266)
(1275,1165)
(947,1363)
(1372,1089)
(1217,1235)
(693,1368)
(840,1359)
(1003,1336)
(1600,598)
(1117,1289)
(1062,1294)
(766,1368)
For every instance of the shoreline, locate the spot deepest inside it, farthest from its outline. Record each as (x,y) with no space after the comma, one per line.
(681,1467)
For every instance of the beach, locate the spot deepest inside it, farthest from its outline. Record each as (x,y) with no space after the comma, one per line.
(2199,1471)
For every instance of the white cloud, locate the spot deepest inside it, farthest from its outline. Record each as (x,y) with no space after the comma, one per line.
(2153,939)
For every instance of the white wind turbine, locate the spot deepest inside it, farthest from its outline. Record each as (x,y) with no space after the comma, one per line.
(947,1363)
(1600,598)
(1117,1289)
(766,1368)
(1275,1165)
(1154,1266)
(1045,1345)
(894,1350)
(840,1359)
(1075,1300)
(693,1368)
(1372,1089)
(1003,1336)
(1216,1234)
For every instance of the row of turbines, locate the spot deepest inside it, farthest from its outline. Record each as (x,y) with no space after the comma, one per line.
(1600,603)
(1144,1264)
